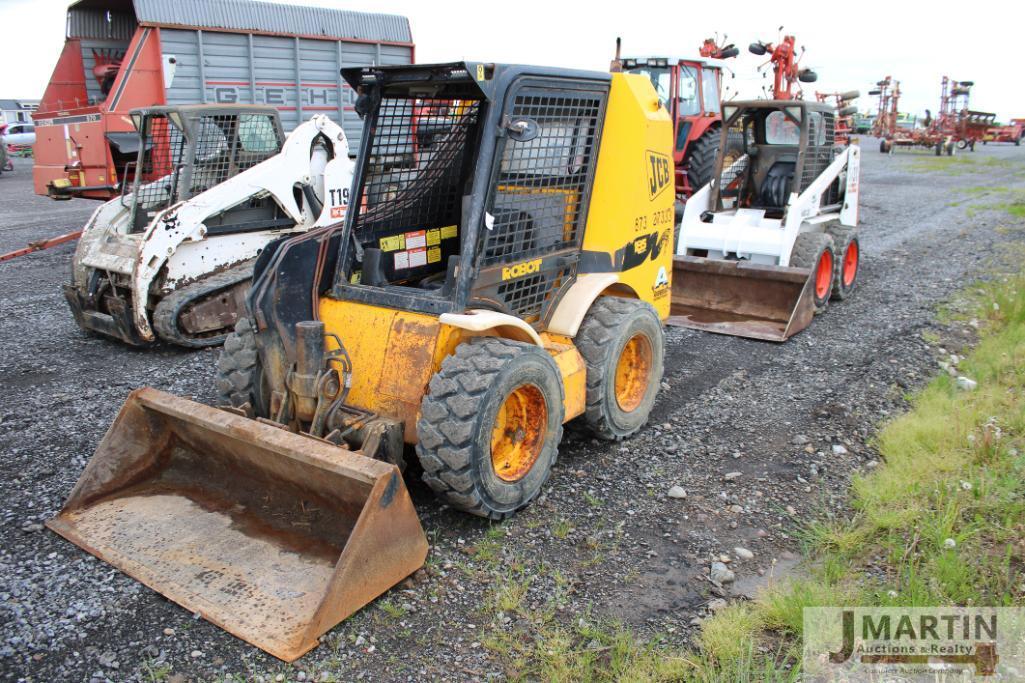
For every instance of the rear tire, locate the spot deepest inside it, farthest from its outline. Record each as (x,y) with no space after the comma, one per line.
(475,438)
(848,261)
(815,251)
(623,343)
(240,379)
(703,152)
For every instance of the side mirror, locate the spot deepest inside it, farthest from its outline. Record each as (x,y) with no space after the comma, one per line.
(756,49)
(728,52)
(807,76)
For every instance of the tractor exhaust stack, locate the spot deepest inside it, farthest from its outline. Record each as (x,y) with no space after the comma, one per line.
(271,535)
(740,298)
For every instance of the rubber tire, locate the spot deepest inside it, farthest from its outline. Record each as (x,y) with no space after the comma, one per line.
(240,377)
(701,156)
(949,149)
(842,237)
(885,147)
(609,324)
(807,251)
(456,418)
(939,149)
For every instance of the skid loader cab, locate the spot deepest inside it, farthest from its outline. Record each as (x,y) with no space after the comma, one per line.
(783,140)
(185,150)
(489,216)
(503,268)
(750,241)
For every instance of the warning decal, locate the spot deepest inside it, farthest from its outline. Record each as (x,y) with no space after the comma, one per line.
(393,243)
(416,240)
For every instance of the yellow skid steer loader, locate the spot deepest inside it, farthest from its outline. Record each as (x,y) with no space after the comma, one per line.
(504,268)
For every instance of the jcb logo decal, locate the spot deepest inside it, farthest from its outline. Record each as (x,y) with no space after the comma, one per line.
(521,269)
(660,173)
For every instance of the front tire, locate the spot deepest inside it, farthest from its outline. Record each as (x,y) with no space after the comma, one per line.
(623,344)
(815,251)
(490,425)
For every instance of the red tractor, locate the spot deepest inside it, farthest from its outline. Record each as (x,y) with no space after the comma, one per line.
(690,88)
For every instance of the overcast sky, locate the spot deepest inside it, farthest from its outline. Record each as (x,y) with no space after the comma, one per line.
(851,44)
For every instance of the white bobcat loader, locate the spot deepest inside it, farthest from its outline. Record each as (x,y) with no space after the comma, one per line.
(767,243)
(172,258)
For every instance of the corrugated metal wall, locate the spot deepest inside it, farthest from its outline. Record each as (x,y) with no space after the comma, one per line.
(227,74)
(92,23)
(244,15)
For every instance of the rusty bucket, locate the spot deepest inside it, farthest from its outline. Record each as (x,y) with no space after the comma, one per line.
(740,298)
(273,536)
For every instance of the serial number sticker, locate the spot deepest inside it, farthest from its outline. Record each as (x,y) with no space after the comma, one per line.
(393,243)
(402,260)
(417,257)
(433,237)
(433,254)
(416,240)
(448,231)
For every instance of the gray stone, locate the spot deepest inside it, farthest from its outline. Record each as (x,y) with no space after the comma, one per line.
(720,573)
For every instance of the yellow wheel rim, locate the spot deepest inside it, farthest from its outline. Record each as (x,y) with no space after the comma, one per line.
(519,433)
(633,372)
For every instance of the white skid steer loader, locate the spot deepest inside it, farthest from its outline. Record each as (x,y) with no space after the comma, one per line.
(172,258)
(767,243)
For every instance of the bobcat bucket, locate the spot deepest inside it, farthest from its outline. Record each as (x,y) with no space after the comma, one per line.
(273,536)
(740,298)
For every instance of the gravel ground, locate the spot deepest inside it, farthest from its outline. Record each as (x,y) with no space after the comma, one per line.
(760,436)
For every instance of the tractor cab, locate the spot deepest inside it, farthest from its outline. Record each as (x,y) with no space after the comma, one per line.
(787,144)
(691,91)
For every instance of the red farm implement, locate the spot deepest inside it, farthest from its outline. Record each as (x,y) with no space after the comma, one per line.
(1013,132)
(892,135)
(955,120)
(786,69)
(845,112)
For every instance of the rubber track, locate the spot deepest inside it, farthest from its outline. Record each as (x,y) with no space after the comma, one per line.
(165,316)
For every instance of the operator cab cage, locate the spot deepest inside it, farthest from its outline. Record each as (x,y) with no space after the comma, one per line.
(185,150)
(787,145)
(471,187)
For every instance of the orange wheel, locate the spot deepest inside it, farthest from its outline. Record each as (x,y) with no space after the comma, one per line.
(815,252)
(633,372)
(519,432)
(850,263)
(824,275)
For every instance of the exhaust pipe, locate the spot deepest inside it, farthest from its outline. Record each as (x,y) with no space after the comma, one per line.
(273,536)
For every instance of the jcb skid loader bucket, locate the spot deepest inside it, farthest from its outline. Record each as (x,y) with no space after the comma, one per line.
(740,298)
(273,536)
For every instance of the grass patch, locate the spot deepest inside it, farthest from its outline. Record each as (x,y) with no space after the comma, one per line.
(959,164)
(940,522)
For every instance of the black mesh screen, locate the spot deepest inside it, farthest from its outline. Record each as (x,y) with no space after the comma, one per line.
(542,181)
(229,144)
(420,156)
(223,147)
(541,193)
(162,157)
(734,170)
(820,152)
(420,164)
